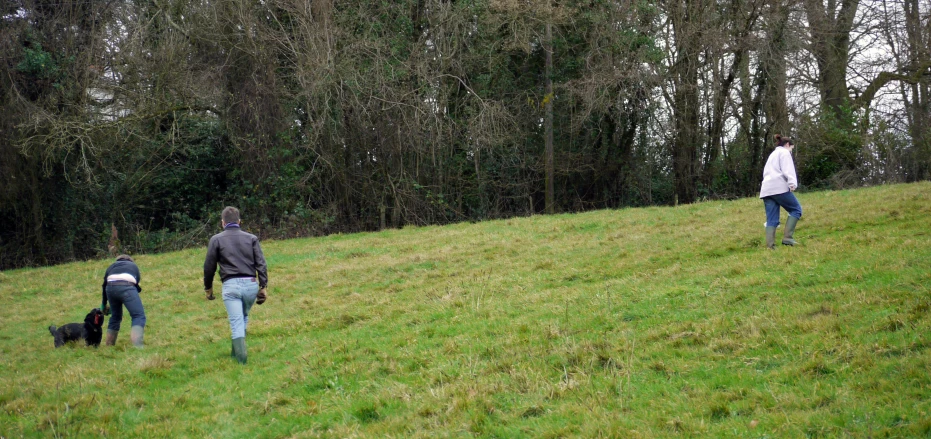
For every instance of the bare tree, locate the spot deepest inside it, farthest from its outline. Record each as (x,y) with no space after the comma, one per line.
(829,25)
(548,99)
(690,22)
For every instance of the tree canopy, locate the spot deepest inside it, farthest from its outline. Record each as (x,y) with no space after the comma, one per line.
(324,116)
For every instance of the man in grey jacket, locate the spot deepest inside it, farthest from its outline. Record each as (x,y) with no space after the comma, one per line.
(243,272)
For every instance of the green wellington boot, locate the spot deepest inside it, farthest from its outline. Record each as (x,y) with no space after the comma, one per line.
(789,231)
(239,349)
(136,335)
(770,238)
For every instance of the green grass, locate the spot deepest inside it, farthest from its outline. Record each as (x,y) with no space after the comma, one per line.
(650,322)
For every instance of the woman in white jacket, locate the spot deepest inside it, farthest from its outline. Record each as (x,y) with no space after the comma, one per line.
(779,181)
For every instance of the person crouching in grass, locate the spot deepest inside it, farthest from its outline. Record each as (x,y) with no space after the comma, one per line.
(121,288)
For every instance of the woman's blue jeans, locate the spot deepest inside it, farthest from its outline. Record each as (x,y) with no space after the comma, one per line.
(120,296)
(238,297)
(787,201)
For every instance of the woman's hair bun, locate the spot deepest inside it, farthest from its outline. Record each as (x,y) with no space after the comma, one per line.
(782,140)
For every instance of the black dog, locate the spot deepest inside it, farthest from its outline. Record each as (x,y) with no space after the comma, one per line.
(90,331)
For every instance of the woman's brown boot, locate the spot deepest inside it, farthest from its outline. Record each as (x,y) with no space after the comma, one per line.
(111,337)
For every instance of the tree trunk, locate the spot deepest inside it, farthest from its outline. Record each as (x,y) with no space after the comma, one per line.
(735,160)
(687,25)
(548,123)
(830,44)
(756,140)
(716,132)
(776,108)
(919,109)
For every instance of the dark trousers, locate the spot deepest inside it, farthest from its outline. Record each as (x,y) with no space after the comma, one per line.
(120,296)
(787,201)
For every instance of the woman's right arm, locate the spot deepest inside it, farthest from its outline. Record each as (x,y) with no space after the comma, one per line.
(103,288)
(788,171)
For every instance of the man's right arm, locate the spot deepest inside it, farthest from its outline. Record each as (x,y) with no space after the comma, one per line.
(210,263)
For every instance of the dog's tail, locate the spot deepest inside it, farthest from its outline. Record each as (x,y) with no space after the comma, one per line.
(52,330)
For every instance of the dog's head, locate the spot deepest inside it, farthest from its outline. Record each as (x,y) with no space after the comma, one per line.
(94,318)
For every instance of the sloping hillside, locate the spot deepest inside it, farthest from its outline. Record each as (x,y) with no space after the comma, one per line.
(629,323)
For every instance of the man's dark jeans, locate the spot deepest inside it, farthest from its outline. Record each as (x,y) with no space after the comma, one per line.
(120,296)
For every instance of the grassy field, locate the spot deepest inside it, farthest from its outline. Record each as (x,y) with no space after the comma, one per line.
(655,322)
